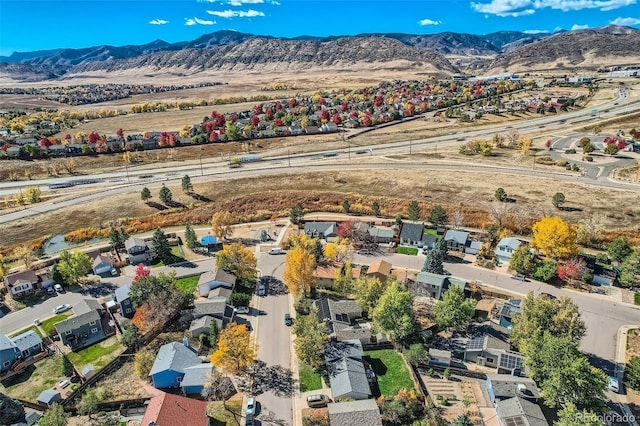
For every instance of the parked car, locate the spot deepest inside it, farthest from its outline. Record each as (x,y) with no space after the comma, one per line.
(242,310)
(251,407)
(614,385)
(519,277)
(58,288)
(36,321)
(262,290)
(317,401)
(276,250)
(51,291)
(63,384)
(287,319)
(363,251)
(114,272)
(61,308)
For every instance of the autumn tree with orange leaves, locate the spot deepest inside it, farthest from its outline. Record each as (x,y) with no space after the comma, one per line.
(235,350)
(555,238)
(299,266)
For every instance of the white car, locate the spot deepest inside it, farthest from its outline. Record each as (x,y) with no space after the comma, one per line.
(242,310)
(251,406)
(262,290)
(61,308)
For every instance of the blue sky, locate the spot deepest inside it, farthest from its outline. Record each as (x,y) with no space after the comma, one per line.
(27,25)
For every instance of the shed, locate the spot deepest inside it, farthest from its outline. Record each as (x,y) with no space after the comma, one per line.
(49,396)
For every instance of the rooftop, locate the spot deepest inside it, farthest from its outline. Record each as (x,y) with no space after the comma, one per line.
(167,409)
(174,356)
(381,267)
(361,413)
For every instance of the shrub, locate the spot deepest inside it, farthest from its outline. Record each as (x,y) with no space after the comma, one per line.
(588,158)
(545,160)
(239,299)
(568,166)
(561,163)
(575,168)
(489,265)
(603,258)
(570,151)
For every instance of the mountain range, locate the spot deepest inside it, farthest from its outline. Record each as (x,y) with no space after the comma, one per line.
(443,53)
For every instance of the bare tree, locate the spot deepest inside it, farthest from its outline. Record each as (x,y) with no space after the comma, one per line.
(512,137)
(499,212)
(69,165)
(458,217)
(522,217)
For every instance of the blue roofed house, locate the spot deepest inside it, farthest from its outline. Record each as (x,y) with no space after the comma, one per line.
(171,362)
(505,249)
(124,300)
(347,375)
(195,378)
(20,348)
(49,396)
(9,353)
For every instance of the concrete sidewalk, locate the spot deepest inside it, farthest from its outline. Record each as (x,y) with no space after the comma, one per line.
(621,361)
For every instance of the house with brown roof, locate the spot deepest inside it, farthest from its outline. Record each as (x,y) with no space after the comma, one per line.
(325,275)
(22,283)
(168,409)
(380,269)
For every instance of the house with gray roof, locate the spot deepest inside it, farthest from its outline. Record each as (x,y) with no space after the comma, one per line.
(172,360)
(21,284)
(211,280)
(124,300)
(505,249)
(29,344)
(49,396)
(520,411)
(363,412)
(323,230)
(138,250)
(411,234)
(102,264)
(217,307)
(429,284)
(381,234)
(343,317)
(456,240)
(202,325)
(347,375)
(195,378)
(516,400)
(84,328)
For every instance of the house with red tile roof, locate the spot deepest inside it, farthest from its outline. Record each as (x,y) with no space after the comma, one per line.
(171,410)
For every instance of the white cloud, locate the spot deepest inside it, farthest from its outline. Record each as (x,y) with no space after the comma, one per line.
(536,31)
(515,8)
(197,21)
(158,22)
(579,27)
(241,2)
(235,13)
(627,22)
(429,22)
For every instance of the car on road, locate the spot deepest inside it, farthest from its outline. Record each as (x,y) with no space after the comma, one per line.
(61,308)
(287,319)
(242,310)
(36,321)
(262,290)
(317,401)
(547,295)
(251,407)
(614,385)
(363,251)
(519,277)
(248,421)
(276,250)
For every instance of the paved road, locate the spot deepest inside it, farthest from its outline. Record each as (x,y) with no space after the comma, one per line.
(602,316)
(274,340)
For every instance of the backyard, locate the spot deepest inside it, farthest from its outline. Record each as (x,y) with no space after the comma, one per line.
(97,355)
(47,325)
(309,379)
(187,285)
(412,251)
(177,256)
(37,377)
(390,370)
(229,415)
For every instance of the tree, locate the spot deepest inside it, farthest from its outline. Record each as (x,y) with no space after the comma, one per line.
(394,313)
(4,268)
(343,282)
(559,317)
(368,291)
(141,271)
(89,403)
(11,411)
(558,200)
(73,265)
(238,260)
(235,351)
(221,224)
(337,250)
(524,143)
(187,186)
(145,194)
(299,266)
(433,262)
(571,270)
(346,206)
(311,336)
(588,147)
(462,420)
(131,337)
(142,363)
(630,270)
(117,238)
(145,286)
(454,312)
(33,194)
(296,214)
(160,248)
(554,238)
(632,373)
(417,354)
(619,249)
(214,332)
(67,367)
(414,210)
(54,416)
(522,260)
(25,255)
(190,237)
(500,194)
(375,208)
(438,215)
(571,416)
(165,195)
(611,149)
(545,270)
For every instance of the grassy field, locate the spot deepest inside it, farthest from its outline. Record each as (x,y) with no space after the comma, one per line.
(177,256)
(24,330)
(431,232)
(221,416)
(97,355)
(309,379)
(636,298)
(407,250)
(38,377)
(47,325)
(187,284)
(391,371)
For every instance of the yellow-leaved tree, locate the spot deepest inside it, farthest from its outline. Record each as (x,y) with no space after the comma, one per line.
(221,224)
(337,250)
(298,271)
(237,260)
(235,351)
(554,238)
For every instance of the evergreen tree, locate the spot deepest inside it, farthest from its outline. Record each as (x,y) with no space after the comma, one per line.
(414,210)
(165,195)
(145,194)
(438,215)
(435,258)
(67,367)
(190,237)
(296,214)
(375,208)
(160,248)
(115,238)
(187,186)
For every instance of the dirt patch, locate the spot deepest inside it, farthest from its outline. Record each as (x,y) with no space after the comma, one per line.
(454,397)
(122,384)
(633,349)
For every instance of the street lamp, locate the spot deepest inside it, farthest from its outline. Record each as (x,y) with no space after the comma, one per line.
(201,169)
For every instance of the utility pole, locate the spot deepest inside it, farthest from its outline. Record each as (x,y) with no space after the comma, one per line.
(289,157)
(126,167)
(201,169)
(410,142)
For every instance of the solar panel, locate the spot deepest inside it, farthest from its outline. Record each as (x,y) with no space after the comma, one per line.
(476,343)
(510,361)
(515,421)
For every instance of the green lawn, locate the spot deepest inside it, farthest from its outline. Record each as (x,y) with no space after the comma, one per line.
(42,375)
(407,250)
(47,325)
(24,330)
(309,379)
(636,298)
(177,256)
(229,416)
(187,285)
(97,355)
(431,232)
(391,371)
